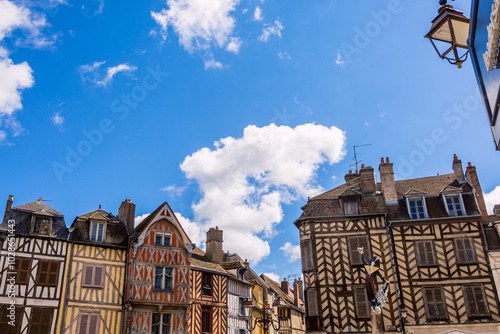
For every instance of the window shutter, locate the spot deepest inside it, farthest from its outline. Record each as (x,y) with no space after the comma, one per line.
(465,250)
(307,259)
(88,275)
(353,244)
(469,250)
(362,306)
(83,324)
(312,303)
(43,269)
(353,250)
(93,324)
(436,307)
(476,303)
(98,276)
(54,270)
(422,254)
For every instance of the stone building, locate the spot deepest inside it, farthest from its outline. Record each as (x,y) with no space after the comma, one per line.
(429,235)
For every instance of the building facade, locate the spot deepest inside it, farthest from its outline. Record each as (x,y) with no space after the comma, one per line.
(96,269)
(32,264)
(428,233)
(158,280)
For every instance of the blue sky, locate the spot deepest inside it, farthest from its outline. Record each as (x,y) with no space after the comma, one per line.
(234,112)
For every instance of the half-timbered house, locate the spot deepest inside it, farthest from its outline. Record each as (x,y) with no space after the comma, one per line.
(96,274)
(33,255)
(208,295)
(428,233)
(158,279)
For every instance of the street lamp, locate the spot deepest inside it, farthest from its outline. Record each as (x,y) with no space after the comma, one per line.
(450,30)
(266,320)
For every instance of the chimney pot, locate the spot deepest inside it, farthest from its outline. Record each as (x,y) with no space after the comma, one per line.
(382,160)
(362,166)
(387,160)
(387,181)
(457,168)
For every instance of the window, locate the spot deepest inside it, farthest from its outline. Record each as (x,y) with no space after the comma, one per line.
(425,253)
(356,242)
(241,309)
(434,303)
(351,205)
(41,225)
(312,303)
(313,323)
(97,231)
(475,301)
(417,208)
(465,251)
(88,323)
(160,323)
(162,238)
(206,284)
(284,312)
(454,206)
(93,276)
(242,331)
(164,279)
(362,304)
(23,266)
(6,323)
(41,319)
(307,256)
(47,273)
(206,319)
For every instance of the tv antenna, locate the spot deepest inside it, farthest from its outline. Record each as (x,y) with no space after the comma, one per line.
(44,200)
(355,161)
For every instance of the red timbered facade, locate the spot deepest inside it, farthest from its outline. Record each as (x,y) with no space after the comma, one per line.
(208,295)
(158,282)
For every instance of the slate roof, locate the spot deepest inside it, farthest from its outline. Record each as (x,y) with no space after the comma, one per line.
(200,261)
(116,230)
(22,215)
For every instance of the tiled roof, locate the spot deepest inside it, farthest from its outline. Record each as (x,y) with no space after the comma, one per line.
(39,207)
(200,261)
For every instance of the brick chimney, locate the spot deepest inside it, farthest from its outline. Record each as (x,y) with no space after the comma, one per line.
(351,176)
(127,212)
(387,180)
(478,192)
(8,206)
(214,245)
(285,286)
(457,168)
(296,294)
(301,289)
(368,184)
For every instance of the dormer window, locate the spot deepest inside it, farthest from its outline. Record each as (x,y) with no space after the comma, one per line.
(454,205)
(97,231)
(41,225)
(416,208)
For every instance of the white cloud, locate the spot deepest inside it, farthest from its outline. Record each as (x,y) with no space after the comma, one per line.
(284,55)
(198,23)
(93,7)
(234,45)
(492,198)
(367,124)
(244,181)
(303,107)
(339,61)
(271,30)
(257,15)
(212,64)
(291,251)
(139,219)
(57,119)
(174,190)
(13,79)
(3,136)
(275,277)
(195,232)
(100,77)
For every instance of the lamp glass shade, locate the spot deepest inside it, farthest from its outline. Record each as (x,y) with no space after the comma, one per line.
(248,308)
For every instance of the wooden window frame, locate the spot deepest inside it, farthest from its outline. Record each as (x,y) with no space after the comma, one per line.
(356,204)
(87,329)
(312,297)
(466,260)
(47,273)
(410,199)
(357,292)
(469,311)
(98,222)
(161,323)
(206,310)
(4,311)
(427,303)
(453,212)
(19,270)
(306,254)
(206,291)
(163,236)
(94,267)
(165,276)
(284,312)
(418,254)
(33,222)
(42,317)
(367,249)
